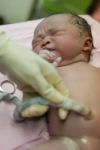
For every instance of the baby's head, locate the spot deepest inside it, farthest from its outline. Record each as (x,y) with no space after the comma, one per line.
(66,36)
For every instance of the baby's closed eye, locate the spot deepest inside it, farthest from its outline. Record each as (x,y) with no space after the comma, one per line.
(56,31)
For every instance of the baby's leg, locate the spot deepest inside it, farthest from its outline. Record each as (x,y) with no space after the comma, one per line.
(57,144)
(64,143)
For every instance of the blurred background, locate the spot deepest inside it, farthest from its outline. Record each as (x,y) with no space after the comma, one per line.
(12,11)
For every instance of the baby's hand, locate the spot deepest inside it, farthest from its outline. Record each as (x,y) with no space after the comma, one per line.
(56,62)
(50,56)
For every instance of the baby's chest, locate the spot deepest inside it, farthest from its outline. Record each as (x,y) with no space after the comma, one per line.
(82,85)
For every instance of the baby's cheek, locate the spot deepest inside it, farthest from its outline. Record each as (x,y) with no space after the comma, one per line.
(36,49)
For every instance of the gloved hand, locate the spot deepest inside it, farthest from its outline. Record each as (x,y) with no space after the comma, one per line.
(29,69)
(32,107)
(54,58)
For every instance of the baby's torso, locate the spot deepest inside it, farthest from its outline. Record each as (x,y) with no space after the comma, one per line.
(83,82)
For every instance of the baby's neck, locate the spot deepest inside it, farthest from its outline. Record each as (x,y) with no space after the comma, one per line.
(79,58)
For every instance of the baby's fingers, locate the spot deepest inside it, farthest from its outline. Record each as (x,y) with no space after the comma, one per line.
(57,62)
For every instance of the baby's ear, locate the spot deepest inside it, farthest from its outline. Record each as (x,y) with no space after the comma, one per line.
(88,44)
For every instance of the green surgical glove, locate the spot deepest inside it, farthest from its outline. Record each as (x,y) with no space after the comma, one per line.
(32,72)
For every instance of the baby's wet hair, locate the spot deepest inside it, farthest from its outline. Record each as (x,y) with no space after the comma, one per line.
(82,25)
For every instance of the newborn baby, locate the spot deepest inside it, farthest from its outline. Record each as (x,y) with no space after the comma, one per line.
(70,36)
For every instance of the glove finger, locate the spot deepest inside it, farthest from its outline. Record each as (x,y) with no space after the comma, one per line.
(62,88)
(34,111)
(70,104)
(62,113)
(45,88)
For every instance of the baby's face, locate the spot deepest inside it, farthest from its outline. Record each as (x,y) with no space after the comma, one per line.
(54,38)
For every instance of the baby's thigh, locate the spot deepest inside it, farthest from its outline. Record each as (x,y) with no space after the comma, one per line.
(65,143)
(59,143)
(89,143)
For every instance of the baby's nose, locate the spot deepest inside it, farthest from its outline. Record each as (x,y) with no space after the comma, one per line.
(46,41)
